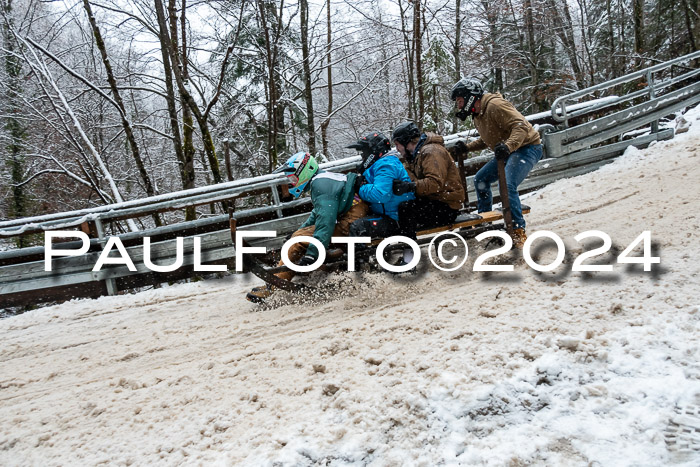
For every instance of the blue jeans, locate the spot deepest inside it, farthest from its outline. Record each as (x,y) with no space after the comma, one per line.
(518,166)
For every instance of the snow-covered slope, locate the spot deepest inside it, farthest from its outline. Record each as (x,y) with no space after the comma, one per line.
(444,368)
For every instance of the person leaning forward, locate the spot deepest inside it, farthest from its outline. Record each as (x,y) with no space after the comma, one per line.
(435,180)
(509,135)
(335,208)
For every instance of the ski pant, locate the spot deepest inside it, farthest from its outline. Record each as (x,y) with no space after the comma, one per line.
(519,164)
(424,213)
(342,229)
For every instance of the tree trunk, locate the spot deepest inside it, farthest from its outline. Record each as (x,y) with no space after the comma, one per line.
(172,110)
(188,100)
(212,206)
(304,6)
(409,62)
(387,84)
(458,40)
(12,109)
(611,33)
(565,30)
(638,21)
(532,53)
(495,56)
(271,86)
(688,24)
(417,47)
(585,19)
(128,130)
(187,128)
(696,11)
(180,62)
(329,78)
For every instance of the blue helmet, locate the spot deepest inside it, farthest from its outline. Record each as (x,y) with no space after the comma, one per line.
(299,169)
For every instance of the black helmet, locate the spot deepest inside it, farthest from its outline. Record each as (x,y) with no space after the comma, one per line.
(405,132)
(471,90)
(373,146)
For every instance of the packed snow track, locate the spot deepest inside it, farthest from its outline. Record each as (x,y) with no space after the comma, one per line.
(440,368)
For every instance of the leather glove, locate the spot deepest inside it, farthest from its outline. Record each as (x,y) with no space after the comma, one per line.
(307,260)
(501,151)
(359,181)
(461,147)
(400,187)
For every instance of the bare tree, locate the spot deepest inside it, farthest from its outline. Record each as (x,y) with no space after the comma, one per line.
(39,67)
(638,19)
(418,50)
(329,77)
(184,88)
(565,31)
(11,109)
(308,98)
(116,95)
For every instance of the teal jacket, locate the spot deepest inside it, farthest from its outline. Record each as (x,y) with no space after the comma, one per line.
(332,195)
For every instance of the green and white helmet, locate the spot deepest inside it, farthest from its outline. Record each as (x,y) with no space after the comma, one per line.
(299,169)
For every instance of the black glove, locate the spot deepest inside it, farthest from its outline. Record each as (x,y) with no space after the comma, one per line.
(400,187)
(359,181)
(501,151)
(307,260)
(288,236)
(461,147)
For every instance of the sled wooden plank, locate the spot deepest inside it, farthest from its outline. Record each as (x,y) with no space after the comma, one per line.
(489,216)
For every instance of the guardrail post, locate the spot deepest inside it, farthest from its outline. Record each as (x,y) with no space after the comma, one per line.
(111,283)
(276,199)
(652,95)
(552,141)
(565,123)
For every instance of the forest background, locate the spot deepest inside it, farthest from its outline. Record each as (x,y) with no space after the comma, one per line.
(111,100)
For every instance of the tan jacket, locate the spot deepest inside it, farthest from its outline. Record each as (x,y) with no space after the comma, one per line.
(436,174)
(499,122)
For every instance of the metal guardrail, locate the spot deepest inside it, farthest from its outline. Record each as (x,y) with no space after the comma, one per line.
(569,152)
(656,105)
(67,271)
(170,201)
(652,88)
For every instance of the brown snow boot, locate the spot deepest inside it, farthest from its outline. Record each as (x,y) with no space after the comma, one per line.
(519,238)
(260,294)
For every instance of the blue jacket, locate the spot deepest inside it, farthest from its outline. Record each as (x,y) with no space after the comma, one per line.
(378,189)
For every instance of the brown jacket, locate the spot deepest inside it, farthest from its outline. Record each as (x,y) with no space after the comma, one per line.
(436,174)
(499,122)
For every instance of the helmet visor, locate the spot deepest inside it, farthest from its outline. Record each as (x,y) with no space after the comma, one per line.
(284,168)
(360,145)
(292,179)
